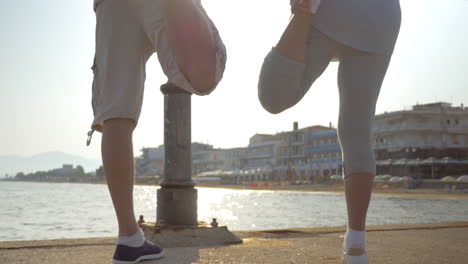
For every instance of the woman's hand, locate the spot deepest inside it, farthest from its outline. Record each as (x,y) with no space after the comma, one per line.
(304,6)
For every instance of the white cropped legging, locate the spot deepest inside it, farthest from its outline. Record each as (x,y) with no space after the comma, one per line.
(284,82)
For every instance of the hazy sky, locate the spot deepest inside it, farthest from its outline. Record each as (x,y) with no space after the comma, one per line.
(47,49)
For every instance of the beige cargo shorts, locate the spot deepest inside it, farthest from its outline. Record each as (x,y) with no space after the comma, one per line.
(128,32)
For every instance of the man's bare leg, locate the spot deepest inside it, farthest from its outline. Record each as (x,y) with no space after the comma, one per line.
(119,168)
(193,43)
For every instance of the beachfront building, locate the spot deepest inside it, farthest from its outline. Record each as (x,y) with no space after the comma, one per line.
(207,160)
(225,160)
(323,152)
(150,162)
(66,169)
(291,156)
(428,141)
(262,152)
(234,159)
(308,153)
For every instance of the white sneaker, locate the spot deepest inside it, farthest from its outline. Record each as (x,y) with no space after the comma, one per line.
(355,256)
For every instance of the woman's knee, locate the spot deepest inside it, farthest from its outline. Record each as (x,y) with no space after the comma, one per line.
(271,102)
(280,82)
(357,150)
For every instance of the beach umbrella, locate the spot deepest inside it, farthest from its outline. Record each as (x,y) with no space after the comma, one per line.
(388,162)
(395,179)
(384,162)
(429,161)
(401,162)
(463,178)
(448,179)
(415,162)
(407,178)
(377,179)
(335,177)
(448,160)
(380,177)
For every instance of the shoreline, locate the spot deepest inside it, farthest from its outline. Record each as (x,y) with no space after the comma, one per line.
(313,188)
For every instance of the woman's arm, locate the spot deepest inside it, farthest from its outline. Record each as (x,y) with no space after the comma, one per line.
(192,42)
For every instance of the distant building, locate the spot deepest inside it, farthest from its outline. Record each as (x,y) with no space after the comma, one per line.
(435,132)
(151,162)
(262,152)
(234,159)
(66,169)
(323,152)
(207,160)
(308,153)
(153,153)
(200,147)
(430,140)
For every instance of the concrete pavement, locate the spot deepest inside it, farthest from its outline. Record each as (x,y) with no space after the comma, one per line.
(423,243)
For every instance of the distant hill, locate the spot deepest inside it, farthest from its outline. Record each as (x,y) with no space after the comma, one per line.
(43,162)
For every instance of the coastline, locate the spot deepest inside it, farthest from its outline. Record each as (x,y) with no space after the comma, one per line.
(320,188)
(317,188)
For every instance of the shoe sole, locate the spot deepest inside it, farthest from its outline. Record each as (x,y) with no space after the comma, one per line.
(142,258)
(347,259)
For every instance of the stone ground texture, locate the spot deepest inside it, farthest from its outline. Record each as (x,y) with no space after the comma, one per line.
(427,243)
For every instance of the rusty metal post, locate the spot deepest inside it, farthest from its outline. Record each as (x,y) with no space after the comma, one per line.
(177,197)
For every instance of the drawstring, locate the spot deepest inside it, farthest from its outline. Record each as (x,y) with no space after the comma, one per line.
(90,136)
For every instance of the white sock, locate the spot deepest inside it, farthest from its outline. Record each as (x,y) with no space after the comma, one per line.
(354,239)
(135,240)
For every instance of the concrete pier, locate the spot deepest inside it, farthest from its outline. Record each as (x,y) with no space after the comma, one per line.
(408,244)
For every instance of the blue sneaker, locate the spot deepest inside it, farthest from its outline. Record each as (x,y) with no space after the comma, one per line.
(131,255)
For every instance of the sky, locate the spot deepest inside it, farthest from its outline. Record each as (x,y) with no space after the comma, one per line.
(47,48)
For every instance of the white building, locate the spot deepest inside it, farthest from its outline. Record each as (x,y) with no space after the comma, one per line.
(432,126)
(262,151)
(435,130)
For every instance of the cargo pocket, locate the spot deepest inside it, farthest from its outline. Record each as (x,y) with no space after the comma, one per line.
(97,3)
(94,97)
(94,91)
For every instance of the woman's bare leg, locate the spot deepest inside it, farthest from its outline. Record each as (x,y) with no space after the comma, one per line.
(119,168)
(293,41)
(358,188)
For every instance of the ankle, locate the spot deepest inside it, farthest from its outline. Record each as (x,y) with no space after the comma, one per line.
(354,239)
(129,230)
(135,240)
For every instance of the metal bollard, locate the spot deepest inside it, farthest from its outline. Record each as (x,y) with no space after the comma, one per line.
(177,197)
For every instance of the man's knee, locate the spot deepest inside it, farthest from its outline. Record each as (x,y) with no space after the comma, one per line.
(202,79)
(122,125)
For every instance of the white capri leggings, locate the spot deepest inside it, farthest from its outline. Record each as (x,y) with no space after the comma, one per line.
(284,82)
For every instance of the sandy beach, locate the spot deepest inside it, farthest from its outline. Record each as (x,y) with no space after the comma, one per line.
(339,188)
